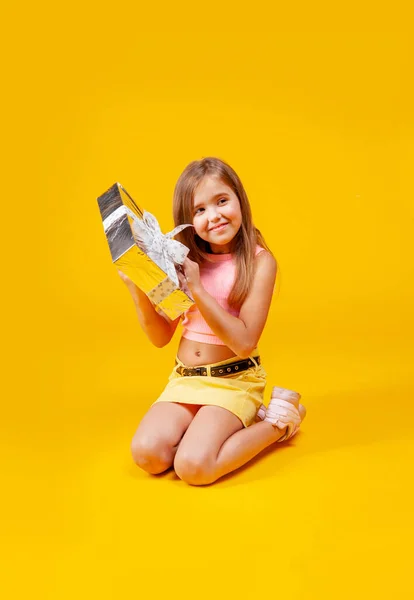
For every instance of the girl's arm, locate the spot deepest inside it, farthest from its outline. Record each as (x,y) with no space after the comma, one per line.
(159,329)
(241,334)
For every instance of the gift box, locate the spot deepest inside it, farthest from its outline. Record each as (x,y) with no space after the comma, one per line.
(151,259)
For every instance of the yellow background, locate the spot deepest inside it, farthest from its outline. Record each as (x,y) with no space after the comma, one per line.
(313,107)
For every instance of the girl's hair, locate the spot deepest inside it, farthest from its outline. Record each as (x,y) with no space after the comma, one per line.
(243,245)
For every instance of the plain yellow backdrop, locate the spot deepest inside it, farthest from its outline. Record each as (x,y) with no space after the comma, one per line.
(313,107)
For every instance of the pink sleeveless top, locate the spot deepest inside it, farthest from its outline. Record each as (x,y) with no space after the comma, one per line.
(217,276)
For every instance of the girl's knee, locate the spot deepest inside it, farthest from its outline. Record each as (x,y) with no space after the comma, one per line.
(152,455)
(194,469)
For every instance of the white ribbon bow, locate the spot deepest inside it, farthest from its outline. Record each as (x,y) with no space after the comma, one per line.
(159,247)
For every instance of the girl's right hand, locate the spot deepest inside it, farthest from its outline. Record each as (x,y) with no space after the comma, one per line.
(128,282)
(123,276)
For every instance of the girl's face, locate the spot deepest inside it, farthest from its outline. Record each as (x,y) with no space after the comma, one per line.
(216,213)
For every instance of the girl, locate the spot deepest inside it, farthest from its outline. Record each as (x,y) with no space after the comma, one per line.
(210,420)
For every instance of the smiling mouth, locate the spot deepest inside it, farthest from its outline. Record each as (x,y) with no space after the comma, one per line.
(219,227)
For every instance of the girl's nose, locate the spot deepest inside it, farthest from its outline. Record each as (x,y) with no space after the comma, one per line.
(213,214)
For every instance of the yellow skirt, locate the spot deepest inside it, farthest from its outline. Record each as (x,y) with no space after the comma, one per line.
(240,393)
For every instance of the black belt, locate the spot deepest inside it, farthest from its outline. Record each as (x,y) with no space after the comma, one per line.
(221,370)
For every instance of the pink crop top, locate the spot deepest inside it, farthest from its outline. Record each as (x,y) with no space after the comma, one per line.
(217,276)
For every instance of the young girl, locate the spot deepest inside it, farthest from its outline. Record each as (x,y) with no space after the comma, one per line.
(210,420)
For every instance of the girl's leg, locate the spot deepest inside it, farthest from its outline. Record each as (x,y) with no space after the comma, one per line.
(216,443)
(156,440)
(241,447)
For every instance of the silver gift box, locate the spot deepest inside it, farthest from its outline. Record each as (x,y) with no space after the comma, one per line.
(151,259)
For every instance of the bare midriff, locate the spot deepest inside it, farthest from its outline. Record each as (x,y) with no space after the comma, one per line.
(194,354)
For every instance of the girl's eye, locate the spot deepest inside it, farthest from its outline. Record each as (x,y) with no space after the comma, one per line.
(221,200)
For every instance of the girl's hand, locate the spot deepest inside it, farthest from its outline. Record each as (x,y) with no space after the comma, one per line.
(128,282)
(192,274)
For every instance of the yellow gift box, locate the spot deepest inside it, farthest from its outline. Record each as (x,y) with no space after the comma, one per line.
(151,259)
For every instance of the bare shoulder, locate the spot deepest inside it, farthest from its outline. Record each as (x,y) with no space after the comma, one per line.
(265,262)
(255,308)
(260,294)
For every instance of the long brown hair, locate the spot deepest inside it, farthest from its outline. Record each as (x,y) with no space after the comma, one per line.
(243,245)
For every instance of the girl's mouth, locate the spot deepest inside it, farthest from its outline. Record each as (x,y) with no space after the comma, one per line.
(220,227)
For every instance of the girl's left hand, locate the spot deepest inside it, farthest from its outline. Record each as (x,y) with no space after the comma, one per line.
(192,273)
